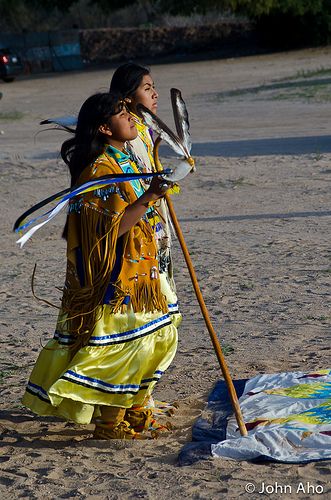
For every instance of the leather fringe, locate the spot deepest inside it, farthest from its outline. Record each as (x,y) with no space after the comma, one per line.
(81,304)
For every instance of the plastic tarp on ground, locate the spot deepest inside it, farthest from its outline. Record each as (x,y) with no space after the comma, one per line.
(287,415)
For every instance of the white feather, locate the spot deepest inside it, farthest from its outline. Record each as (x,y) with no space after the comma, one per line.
(179,171)
(173,143)
(184,123)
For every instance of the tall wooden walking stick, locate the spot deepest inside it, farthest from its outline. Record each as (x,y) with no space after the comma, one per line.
(204,310)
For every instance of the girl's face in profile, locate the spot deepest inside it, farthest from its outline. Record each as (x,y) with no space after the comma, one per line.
(146,94)
(122,127)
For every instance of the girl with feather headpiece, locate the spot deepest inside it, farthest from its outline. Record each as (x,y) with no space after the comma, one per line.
(135,82)
(114,336)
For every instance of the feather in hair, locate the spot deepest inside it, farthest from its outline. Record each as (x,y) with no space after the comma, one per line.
(67,123)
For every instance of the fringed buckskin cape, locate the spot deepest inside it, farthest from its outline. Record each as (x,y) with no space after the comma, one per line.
(116,332)
(142,149)
(103,269)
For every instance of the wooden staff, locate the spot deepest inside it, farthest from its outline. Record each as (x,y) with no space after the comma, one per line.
(203,307)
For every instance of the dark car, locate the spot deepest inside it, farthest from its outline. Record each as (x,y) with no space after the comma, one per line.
(10,65)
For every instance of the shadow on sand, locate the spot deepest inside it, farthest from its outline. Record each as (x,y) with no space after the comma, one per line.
(260,147)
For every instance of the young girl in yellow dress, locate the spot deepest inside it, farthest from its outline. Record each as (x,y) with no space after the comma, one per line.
(135,83)
(114,337)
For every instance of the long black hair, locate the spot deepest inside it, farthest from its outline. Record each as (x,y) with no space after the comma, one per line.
(88,142)
(127,78)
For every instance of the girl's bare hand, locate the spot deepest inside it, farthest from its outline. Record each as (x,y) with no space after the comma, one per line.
(159,187)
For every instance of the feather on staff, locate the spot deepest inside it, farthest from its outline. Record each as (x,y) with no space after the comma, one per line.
(181,119)
(180,143)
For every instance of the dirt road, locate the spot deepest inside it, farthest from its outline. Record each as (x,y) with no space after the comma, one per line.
(257,226)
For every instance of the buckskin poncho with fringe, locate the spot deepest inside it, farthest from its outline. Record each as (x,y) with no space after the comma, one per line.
(142,150)
(115,335)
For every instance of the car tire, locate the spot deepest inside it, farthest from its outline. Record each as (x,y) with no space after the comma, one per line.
(8,79)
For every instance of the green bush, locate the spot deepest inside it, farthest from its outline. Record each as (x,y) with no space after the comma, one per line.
(288,30)
(288,23)
(280,23)
(258,8)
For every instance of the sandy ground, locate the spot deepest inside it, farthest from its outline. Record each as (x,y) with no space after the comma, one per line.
(258,231)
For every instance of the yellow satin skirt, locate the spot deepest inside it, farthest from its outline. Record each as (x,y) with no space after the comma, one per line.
(125,357)
(170,293)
